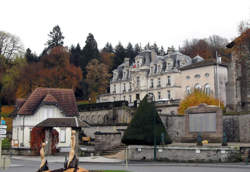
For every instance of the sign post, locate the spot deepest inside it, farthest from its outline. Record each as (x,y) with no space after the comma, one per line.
(2,135)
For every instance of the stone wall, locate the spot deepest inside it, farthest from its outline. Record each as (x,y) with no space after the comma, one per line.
(183,154)
(175,125)
(107,141)
(231,127)
(244,125)
(90,131)
(117,115)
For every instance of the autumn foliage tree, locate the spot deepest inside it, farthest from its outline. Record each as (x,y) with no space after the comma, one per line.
(197,97)
(54,71)
(97,78)
(38,136)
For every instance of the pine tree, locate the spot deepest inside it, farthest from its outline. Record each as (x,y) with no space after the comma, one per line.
(144,126)
(75,55)
(130,53)
(56,37)
(89,52)
(120,54)
(108,48)
(30,57)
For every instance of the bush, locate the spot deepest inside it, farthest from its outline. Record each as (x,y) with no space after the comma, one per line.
(141,129)
(196,98)
(6,144)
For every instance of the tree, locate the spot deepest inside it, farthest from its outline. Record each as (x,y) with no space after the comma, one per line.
(120,54)
(108,48)
(75,55)
(10,45)
(30,57)
(107,59)
(53,71)
(97,78)
(90,51)
(141,130)
(56,37)
(37,137)
(197,97)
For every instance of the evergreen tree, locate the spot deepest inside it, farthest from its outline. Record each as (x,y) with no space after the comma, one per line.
(75,55)
(120,54)
(145,125)
(130,53)
(30,57)
(147,46)
(56,37)
(137,49)
(89,52)
(108,48)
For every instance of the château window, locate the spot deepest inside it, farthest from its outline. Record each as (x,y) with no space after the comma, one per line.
(169,95)
(155,68)
(124,87)
(187,77)
(159,82)
(130,86)
(130,98)
(159,95)
(169,80)
(207,75)
(207,89)
(197,76)
(138,81)
(197,86)
(152,83)
(188,90)
(114,89)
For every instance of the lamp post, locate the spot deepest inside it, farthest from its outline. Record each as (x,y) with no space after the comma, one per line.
(154,137)
(218,61)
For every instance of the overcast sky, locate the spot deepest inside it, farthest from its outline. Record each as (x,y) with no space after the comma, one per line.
(163,22)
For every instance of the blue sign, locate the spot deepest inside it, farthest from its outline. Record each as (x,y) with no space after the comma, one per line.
(3,122)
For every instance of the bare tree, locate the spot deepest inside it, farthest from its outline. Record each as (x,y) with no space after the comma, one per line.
(10,45)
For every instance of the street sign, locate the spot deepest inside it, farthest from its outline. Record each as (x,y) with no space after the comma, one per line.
(3,126)
(3,122)
(2,136)
(3,131)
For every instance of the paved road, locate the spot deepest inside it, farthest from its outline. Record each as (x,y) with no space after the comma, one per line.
(31,166)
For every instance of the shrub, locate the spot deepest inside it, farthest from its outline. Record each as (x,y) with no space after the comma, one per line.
(197,97)
(6,144)
(38,136)
(141,129)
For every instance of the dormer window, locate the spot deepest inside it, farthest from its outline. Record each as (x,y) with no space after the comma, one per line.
(137,64)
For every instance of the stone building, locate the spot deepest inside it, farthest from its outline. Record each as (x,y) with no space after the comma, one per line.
(238,87)
(168,78)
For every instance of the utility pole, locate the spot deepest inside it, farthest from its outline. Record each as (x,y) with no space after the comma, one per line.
(218,61)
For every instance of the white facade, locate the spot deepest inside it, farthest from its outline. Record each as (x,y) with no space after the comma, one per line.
(167,77)
(23,124)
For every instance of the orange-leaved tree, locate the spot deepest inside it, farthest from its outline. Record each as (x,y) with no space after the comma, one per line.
(37,136)
(197,97)
(97,78)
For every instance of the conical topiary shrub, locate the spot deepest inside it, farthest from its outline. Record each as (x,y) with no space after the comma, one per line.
(141,129)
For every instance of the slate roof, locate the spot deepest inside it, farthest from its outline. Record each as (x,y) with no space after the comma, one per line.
(201,64)
(62,122)
(63,98)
